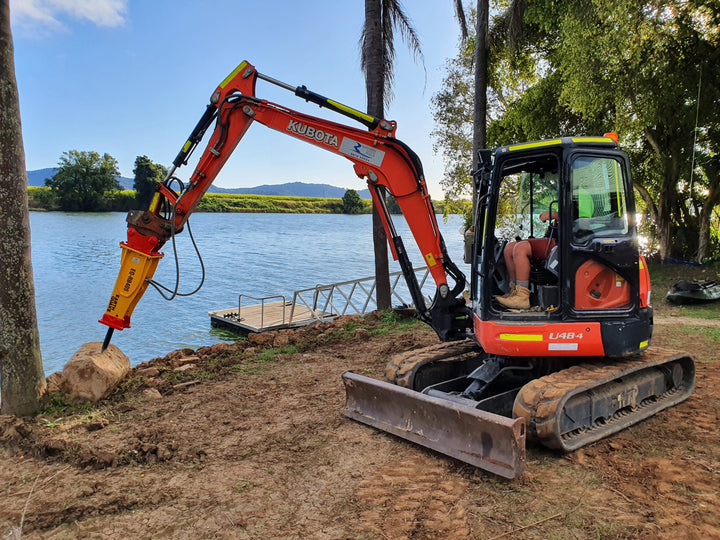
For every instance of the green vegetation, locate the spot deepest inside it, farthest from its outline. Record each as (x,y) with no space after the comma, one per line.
(147,176)
(585,68)
(352,203)
(664,276)
(43,198)
(59,405)
(82,181)
(46,199)
(710,333)
(221,202)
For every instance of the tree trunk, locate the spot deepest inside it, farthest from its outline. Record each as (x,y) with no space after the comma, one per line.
(480,99)
(375,89)
(705,218)
(22,381)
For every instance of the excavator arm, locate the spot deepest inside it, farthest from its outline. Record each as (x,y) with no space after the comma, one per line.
(377,156)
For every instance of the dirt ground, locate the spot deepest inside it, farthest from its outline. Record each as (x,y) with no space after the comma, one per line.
(248,441)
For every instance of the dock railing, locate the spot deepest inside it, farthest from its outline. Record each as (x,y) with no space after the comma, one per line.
(352,297)
(325,302)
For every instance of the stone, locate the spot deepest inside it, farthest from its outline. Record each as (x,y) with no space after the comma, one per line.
(261,339)
(185,360)
(362,334)
(152,393)
(91,375)
(281,340)
(54,381)
(180,353)
(147,372)
(219,347)
(185,367)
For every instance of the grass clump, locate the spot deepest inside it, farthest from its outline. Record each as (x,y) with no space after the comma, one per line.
(58,405)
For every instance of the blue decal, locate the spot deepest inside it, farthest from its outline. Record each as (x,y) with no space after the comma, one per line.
(357,149)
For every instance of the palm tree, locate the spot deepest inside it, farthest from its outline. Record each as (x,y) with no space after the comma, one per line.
(377,45)
(22,381)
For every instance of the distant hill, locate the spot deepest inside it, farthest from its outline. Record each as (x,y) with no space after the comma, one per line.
(291,189)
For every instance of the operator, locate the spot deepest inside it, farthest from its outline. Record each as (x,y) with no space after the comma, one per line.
(517,259)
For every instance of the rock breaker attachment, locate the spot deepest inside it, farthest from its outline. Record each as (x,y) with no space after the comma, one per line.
(485,440)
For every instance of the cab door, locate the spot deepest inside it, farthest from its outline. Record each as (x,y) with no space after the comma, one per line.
(601,255)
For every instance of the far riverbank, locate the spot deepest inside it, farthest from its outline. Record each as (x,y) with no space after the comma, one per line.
(41,199)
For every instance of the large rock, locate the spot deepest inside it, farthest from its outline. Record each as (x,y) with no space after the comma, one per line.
(91,374)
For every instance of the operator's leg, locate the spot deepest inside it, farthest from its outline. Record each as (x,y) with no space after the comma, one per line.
(520,297)
(521,256)
(510,265)
(508,255)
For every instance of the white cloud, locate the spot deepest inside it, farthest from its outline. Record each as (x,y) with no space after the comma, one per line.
(47,14)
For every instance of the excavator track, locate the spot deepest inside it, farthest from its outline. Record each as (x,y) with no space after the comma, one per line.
(579,405)
(404,369)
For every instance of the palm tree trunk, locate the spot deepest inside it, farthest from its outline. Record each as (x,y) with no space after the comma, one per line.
(22,381)
(375,89)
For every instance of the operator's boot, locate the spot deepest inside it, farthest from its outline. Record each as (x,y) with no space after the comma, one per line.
(519,300)
(511,291)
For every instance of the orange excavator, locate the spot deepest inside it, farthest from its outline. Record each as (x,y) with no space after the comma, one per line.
(575,367)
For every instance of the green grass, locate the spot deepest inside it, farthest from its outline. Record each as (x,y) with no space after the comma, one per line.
(58,405)
(711,333)
(260,363)
(221,202)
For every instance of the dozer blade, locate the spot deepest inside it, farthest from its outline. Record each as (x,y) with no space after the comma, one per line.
(488,441)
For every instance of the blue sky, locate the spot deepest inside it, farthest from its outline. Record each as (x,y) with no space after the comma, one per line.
(132,77)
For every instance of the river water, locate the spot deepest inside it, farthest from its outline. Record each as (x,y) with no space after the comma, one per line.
(76,258)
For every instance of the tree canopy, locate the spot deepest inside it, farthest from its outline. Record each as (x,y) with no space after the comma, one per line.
(147,175)
(352,203)
(83,179)
(646,69)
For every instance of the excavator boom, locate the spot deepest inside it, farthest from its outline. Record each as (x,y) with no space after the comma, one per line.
(384,162)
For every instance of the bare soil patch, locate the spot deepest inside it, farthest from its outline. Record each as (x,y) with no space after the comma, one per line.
(249,442)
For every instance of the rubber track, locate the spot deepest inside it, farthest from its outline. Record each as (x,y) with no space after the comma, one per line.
(402,367)
(539,399)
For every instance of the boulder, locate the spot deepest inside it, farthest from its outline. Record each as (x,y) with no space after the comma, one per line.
(91,374)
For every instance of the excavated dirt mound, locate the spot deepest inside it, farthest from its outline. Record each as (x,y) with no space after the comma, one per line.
(247,441)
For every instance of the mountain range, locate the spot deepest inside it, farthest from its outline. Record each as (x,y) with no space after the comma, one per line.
(290,189)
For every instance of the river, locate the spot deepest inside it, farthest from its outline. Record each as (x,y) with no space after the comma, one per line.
(76,258)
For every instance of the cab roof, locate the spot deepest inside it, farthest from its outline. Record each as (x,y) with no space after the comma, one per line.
(560,142)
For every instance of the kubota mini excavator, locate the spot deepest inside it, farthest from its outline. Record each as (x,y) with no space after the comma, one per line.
(574,368)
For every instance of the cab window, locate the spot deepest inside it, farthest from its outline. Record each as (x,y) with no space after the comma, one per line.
(599,202)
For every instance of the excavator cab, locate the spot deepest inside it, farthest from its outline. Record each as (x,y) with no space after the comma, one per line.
(592,273)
